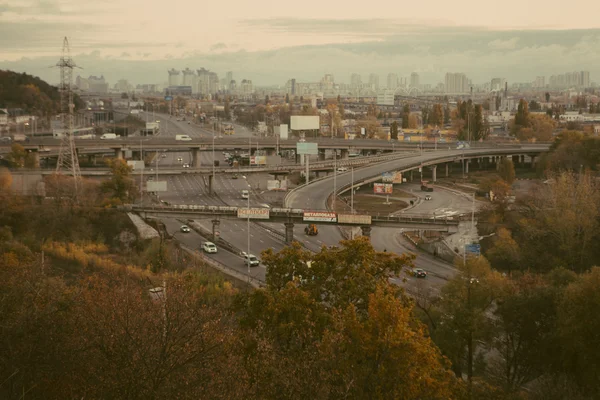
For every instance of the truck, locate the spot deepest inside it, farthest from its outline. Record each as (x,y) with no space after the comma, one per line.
(109,136)
(311,230)
(426,188)
(152,126)
(185,138)
(19,137)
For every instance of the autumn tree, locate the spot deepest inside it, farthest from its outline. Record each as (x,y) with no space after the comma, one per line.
(5,180)
(120,185)
(521,120)
(507,170)
(19,157)
(394,130)
(505,251)
(437,116)
(579,325)
(405,116)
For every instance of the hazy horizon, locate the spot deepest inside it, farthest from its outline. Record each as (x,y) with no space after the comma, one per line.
(269,43)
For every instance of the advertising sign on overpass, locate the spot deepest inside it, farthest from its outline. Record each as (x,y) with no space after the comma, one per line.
(156,186)
(253,213)
(313,216)
(383,188)
(354,219)
(307,148)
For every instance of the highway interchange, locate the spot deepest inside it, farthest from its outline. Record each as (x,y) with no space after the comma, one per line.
(193,189)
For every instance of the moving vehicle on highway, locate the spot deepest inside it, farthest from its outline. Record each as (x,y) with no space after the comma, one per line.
(418,273)
(245,194)
(185,138)
(185,228)
(209,247)
(311,230)
(250,259)
(428,197)
(342,169)
(228,129)
(108,136)
(186,165)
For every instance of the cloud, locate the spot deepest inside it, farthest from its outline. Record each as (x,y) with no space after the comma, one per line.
(499,44)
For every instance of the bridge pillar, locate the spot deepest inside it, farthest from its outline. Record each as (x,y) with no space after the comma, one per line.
(366,231)
(252,151)
(135,154)
(411,175)
(270,152)
(467,166)
(344,154)
(118,154)
(447,167)
(215,224)
(36,159)
(321,154)
(498,162)
(522,161)
(298,159)
(289,232)
(532,161)
(195,157)
(515,160)
(92,159)
(434,173)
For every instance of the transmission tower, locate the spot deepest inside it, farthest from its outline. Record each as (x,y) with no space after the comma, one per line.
(67,157)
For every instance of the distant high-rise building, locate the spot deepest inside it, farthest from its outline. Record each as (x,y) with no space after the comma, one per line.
(355,80)
(392,81)
(497,84)
(97,85)
(456,83)
(374,81)
(293,87)
(540,82)
(228,78)
(585,79)
(414,80)
(173,77)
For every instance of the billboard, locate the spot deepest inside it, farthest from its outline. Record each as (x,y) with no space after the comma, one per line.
(307,148)
(354,219)
(383,188)
(305,122)
(387,177)
(283,131)
(258,160)
(397,177)
(319,216)
(136,165)
(473,249)
(156,186)
(253,213)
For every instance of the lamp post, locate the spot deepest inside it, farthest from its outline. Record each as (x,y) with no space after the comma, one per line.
(248,228)
(352,192)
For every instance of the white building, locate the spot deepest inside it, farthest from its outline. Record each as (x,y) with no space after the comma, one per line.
(385,97)
(173,77)
(392,81)
(456,83)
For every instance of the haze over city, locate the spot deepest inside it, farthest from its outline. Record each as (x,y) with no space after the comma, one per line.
(270,42)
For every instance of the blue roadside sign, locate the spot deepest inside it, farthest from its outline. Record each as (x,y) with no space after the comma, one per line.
(168,98)
(473,249)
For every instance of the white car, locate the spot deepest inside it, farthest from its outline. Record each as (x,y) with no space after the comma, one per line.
(185,228)
(251,258)
(428,197)
(209,247)
(186,165)
(180,159)
(342,169)
(245,194)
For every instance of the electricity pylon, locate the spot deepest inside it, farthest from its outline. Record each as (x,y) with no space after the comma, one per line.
(67,157)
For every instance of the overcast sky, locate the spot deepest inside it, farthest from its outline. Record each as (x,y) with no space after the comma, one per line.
(270,41)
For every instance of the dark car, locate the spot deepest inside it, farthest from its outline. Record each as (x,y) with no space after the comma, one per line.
(419,273)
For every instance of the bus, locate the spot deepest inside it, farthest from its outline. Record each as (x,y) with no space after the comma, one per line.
(228,129)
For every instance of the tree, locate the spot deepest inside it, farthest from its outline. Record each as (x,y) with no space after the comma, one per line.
(463,320)
(507,170)
(267,101)
(371,125)
(394,130)
(547,96)
(447,114)
(579,325)
(227,110)
(19,157)
(5,180)
(505,252)
(124,95)
(120,185)
(522,116)
(413,121)
(405,116)
(287,98)
(437,116)
(535,106)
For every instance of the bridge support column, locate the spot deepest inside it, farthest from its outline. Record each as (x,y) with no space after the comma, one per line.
(215,225)
(344,154)
(36,159)
(366,231)
(321,154)
(515,160)
(297,158)
(447,167)
(118,154)
(532,161)
(210,184)
(467,166)
(434,173)
(498,162)
(411,175)
(92,159)
(289,232)
(195,158)
(270,152)
(522,161)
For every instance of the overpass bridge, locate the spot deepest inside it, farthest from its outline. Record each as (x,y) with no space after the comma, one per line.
(289,217)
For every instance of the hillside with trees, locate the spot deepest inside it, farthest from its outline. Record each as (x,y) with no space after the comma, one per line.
(30,93)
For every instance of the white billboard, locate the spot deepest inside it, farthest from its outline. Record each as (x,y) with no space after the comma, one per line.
(354,219)
(156,186)
(253,213)
(307,148)
(319,216)
(136,165)
(283,131)
(305,122)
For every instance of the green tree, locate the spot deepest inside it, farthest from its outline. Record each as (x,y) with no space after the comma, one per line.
(547,96)
(522,116)
(406,116)
(287,98)
(19,157)
(535,106)
(437,116)
(394,130)
(120,185)
(507,170)
(227,110)
(579,325)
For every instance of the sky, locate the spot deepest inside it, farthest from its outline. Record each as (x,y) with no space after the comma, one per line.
(271,41)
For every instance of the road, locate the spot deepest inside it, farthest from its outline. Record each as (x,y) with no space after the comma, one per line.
(443,203)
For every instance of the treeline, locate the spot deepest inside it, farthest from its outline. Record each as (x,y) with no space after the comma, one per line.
(30,93)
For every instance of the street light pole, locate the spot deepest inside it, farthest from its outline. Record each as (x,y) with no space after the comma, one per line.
(352,192)
(248,228)
(334,178)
